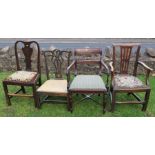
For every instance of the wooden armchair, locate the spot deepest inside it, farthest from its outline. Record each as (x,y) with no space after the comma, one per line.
(54,86)
(87,85)
(122,81)
(25,77)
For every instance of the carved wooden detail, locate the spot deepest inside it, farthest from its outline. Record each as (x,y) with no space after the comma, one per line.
(57,58)
(57,61)
(27,51)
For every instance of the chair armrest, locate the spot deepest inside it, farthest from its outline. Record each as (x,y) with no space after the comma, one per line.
(70,66)
(107,69)
(68,73)
(105,66)
(144,65)
(111,66)
(111,70)
(148,70)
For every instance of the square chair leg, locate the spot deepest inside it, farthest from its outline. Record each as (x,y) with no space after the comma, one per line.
(146,100)
(6,94)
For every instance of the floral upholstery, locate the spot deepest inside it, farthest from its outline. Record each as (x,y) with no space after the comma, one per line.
(22,76)
(87,83)
(127,81)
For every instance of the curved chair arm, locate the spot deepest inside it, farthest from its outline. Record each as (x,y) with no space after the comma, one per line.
(148,70)
(105,66)
(111,70)
(144,65)
(68,73)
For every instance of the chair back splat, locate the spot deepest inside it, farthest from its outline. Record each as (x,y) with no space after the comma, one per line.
(57,58)
(27,52)
(126,50)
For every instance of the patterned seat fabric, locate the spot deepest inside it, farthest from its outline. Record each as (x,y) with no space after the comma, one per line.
(88,83)
(22,76)
(127,81)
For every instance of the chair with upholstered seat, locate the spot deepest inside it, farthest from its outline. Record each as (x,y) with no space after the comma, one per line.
(24,76)
(88,85)
(124,82)
(54,86)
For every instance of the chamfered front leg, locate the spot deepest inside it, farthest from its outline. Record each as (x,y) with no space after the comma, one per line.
(147,95)
(70,102)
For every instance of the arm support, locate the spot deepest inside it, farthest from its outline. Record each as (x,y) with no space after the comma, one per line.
(107,71)
(105,66)
(112,70)
(145,66)
(148,70)
(68,72)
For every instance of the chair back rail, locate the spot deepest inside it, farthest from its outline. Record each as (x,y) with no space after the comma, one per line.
(85,52)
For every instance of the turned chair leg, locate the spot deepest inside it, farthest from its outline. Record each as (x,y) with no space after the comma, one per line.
(104,103)
(147,95)
(113,101)
(6,94)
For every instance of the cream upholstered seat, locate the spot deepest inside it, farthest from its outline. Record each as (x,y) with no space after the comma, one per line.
(53,86)
(22,76)
(87,82)
(127,81)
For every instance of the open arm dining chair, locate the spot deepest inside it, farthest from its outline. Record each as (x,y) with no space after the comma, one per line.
(124,82)
(87,85)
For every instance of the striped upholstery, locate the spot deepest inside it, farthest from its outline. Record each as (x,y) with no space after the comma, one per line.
(87,83)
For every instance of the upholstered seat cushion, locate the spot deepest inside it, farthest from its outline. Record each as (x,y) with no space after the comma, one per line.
(127,81)
(22,76)
(87,83)
(54,86)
